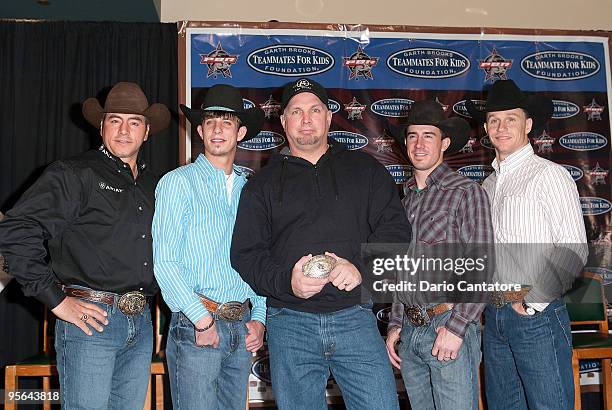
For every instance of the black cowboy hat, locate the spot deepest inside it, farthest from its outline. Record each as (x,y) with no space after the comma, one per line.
(226,98)
(505,95)
(127,98)
(430,112)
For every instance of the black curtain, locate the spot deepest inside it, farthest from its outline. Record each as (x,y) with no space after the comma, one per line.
(46,70)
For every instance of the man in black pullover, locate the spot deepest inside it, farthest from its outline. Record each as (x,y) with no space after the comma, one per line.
(317,197)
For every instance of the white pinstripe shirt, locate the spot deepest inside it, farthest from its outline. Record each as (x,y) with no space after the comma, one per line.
(534,202)
(192,233)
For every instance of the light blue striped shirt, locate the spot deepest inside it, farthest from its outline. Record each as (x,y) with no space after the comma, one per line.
(192,233)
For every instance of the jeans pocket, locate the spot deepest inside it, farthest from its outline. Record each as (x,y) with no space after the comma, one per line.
(366,306)
(563,319)
(274,311)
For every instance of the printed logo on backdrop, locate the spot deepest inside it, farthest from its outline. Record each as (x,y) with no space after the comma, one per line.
(594,205)
(445,107)
(583,141)
(360,65)
(476,172)
(589,366)
(575,172)
(384,144)
(469,146)
(544,143)
(486,142)
(352,140)
(290,60)
(560,65)
(261,369)
(495,66)
(333,105)
(270,107)
(400,173)
(247,104)
(593,111)
(428,63)
(598,175)
(383,315)
(219,62)
(246,171)
(392,107)
(564,109)
(265,140)
(354,109)
(460,109)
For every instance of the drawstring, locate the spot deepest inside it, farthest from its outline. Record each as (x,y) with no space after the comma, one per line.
(282,179)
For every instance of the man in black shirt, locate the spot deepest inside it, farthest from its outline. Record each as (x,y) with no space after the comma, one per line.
(94,213)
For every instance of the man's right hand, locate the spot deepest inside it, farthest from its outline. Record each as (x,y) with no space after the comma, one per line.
(393,336)
(81,314)
(209,337)
(303,286)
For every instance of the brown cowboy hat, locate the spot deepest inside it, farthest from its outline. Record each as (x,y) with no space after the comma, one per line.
(430,112)
(505,95)
(226,98)
(127,98)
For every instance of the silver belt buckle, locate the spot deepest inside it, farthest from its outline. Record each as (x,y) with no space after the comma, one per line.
(230,311)
(415,316)
(132,303)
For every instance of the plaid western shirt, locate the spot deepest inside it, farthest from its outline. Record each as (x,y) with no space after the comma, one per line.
(467,219)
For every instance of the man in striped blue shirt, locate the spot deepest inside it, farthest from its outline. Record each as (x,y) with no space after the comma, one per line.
(212,333)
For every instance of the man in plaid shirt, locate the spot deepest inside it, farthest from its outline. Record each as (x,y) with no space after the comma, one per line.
(440,351)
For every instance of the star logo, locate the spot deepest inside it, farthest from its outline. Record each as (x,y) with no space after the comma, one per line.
(218,62)
(444,106)
(544,143)
(360,64)
(598,175)
(270,107)
(495,66)
(593,111)
(354,109)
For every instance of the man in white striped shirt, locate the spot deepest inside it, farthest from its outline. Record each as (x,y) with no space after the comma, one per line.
(537,217)
(212,331)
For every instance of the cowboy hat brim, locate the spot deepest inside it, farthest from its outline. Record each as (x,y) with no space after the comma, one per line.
(457,129)
(540,109)
(157,114)
(251,118)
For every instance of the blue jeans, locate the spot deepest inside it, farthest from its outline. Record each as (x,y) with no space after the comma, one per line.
(204,377)
(108,370)
(304,347)
(433,384)
(528,359)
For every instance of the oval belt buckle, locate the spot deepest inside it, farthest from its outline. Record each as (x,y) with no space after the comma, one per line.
(132,303)
(230,311)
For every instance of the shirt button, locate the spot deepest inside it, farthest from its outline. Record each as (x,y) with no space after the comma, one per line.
(140,208)
(143,236)
(145,264)
(412,216)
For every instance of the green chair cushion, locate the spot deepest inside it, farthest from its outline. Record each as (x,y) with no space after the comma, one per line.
(591,340)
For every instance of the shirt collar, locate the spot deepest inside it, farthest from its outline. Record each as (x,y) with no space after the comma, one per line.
(435,177)
(513,160)
(118,161)
(204,165)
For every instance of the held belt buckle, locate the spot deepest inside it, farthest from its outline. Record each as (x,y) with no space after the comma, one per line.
(132,303)
(230,311)
(414,316)
(498,300)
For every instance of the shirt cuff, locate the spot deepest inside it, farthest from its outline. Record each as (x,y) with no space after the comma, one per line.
(457,324)
(51,296)
(195,311)
(259,313)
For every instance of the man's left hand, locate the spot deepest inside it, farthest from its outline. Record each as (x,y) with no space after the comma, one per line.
(344,276)
(254,338)
(446,346)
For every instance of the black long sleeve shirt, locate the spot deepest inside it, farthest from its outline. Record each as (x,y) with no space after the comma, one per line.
(95,219)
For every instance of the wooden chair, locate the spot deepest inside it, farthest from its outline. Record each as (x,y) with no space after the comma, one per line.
(586,305)
(42,365)
(158,362)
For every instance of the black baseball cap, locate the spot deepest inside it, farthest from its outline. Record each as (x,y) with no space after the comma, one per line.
(303,85)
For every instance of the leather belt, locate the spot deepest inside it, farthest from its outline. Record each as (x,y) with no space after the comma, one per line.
(228,311)
(499,299)
(130,303)
(416,317)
